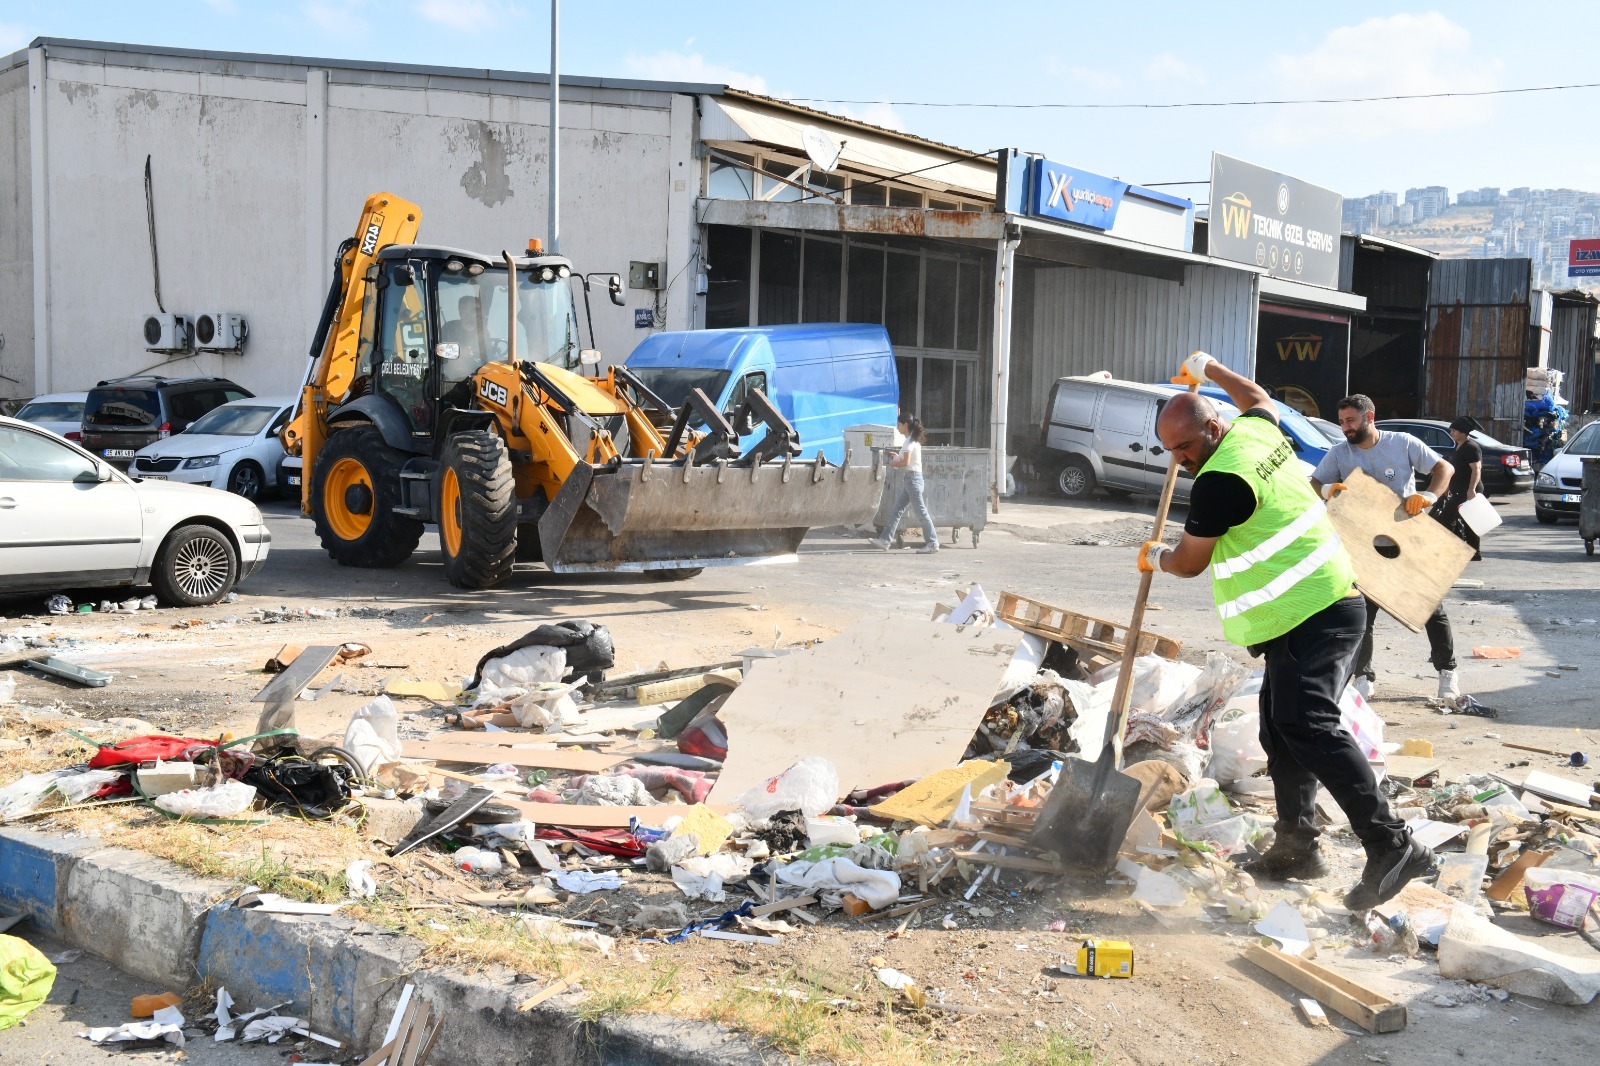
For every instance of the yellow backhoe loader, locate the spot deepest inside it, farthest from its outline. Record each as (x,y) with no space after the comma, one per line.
(450,387)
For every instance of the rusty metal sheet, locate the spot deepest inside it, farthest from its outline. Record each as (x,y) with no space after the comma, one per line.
(1476,359)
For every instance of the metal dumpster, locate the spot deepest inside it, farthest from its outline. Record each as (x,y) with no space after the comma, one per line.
(1588,509)
(956,486)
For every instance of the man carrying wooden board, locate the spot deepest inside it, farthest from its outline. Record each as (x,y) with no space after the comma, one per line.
(1285,589)
(1395,460)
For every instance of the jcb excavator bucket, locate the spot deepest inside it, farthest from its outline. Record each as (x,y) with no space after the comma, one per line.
(641,515)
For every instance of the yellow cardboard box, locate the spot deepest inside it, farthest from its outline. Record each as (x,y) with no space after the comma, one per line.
(1105,958)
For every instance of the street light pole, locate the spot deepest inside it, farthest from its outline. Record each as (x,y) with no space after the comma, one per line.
(555,127)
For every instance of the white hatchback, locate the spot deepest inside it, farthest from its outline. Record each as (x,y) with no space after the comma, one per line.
(71,520)
(233,447)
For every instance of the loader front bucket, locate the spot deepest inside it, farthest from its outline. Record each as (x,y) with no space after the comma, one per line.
(659,516)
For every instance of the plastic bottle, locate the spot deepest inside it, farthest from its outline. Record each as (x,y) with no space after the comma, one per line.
(478,861)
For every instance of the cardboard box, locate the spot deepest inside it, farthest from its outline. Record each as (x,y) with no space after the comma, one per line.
(1105,958)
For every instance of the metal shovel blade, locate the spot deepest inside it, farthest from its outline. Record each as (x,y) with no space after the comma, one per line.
(1088,813)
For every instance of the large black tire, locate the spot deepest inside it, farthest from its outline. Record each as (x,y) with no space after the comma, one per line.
(248,480)
(354,491)
(477,510)
(196,566)
(1075,480)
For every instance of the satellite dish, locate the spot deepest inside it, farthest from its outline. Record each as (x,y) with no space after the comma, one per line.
(822,149)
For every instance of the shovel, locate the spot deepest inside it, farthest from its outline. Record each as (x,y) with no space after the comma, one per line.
(1088,813)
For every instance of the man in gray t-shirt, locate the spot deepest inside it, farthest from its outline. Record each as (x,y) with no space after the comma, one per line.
(1395,460)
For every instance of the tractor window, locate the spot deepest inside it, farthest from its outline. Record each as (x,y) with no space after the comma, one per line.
(402,356)
(472,314)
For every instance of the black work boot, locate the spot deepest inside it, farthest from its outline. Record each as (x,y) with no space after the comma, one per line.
(1388,870)
(1289,856)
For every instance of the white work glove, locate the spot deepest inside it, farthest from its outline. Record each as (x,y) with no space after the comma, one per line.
(1193,371)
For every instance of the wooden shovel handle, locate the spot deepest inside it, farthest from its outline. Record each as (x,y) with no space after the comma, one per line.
(1124,690)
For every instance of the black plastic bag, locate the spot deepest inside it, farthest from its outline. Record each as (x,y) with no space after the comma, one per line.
(588,646)
(313,789)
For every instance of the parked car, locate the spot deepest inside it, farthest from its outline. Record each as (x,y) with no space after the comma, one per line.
(1558,490)
(1506,468)
(122,415)
(59,412)
(72,521)
(1334,434)
(1101,432)
(234,446)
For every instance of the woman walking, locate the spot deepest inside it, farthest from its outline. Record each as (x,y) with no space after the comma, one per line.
(910,494)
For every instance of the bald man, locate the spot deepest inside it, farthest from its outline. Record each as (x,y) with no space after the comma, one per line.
(1284,590)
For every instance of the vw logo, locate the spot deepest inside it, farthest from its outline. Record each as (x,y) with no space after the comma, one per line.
(1283,199)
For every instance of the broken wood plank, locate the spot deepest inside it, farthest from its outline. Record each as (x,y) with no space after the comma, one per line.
(1373,1011)
(554,989)
(782,905)
(1010,862)
(896,912)
(1510,879)
(483,754)
(1084,633)
(379,1056)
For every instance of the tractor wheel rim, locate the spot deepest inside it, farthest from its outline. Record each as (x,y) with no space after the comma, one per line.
(201,568)
(450,513)
(345,475)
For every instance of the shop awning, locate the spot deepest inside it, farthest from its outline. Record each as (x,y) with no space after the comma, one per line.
(1314,297)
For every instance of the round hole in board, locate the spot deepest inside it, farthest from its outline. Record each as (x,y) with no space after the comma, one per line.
(1386,547)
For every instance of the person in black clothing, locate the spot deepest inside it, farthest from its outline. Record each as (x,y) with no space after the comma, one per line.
(1464,483)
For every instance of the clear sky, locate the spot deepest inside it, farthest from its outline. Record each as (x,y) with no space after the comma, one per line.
(1011,52)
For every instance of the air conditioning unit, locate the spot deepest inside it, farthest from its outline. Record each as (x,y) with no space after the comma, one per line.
(220,331)
(165,332)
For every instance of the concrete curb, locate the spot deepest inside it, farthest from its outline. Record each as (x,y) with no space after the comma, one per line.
(154,920)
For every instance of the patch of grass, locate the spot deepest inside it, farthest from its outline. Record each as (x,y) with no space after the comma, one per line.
(626,991)
(1054,1050)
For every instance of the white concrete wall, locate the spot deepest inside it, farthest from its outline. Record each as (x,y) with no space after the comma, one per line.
(16,240)
(258,175)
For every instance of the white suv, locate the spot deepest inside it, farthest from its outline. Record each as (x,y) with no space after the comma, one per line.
(69,520)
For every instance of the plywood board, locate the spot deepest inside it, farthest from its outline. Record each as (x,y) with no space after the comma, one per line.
(932,800)
(1373,1011)
(484,754)
(887,700)
(1413,584)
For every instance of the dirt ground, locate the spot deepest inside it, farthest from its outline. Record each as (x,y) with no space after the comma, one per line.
(1192,999)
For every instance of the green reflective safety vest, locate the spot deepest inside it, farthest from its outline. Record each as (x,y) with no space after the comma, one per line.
(1285,563)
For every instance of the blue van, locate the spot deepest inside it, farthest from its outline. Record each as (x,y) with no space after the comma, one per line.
(822,377)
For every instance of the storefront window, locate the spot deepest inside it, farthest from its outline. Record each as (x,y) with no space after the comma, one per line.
(939,317)
(904,198)
(941,205)
(969,299)
(905,368)
(730,180)
(728,277)
(938,398)
(780,279)
(866,285)
(820,291)
(904,282)
(868,194)
(826,184)
(775,169)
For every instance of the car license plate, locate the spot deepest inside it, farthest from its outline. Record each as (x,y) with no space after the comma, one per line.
(293,479)
(153,477)
(118,453)
(1572,497)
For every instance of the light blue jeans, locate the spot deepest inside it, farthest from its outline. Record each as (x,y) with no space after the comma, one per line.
(910,495)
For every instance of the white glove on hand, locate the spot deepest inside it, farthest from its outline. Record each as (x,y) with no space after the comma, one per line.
(1193,371)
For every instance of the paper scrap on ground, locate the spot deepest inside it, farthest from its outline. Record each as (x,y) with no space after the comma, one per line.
(272,903)
(581,881)
(358,879)
(1284,924)
(1474,949)
(709,828)
(271,1029)
(879,888)
(1432,834)
(1152,886)
(888,700)
(118,1034)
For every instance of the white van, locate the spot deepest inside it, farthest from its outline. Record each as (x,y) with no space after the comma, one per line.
(1100,432)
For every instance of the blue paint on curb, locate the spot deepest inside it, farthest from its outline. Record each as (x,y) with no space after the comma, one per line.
(29,881)
(265,959)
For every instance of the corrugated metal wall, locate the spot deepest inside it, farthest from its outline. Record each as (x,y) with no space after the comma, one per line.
(1572,348)
(1477,354)
(1139,328)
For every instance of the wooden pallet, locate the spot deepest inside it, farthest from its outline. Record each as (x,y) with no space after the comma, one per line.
(1087,635)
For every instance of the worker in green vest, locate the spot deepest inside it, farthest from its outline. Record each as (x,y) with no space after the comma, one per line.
(1284,590)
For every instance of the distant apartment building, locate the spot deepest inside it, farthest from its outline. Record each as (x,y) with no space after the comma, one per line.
(1430,201)
(1487,196)
(1405,214)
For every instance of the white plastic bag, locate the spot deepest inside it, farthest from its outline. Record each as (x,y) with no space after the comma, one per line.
(1236,751)
(24,794)
(1362,723)
(8,689)
(79,786)
(810,786)
(219,801)
(373,735)
(358,879)
(525,667)
(478,860)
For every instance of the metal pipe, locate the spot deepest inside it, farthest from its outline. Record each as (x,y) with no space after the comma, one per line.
(555,127)
(511,308)
(1005,261)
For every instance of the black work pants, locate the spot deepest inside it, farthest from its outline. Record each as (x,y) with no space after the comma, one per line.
(1306,671)
(1447,512)
(1441,644)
